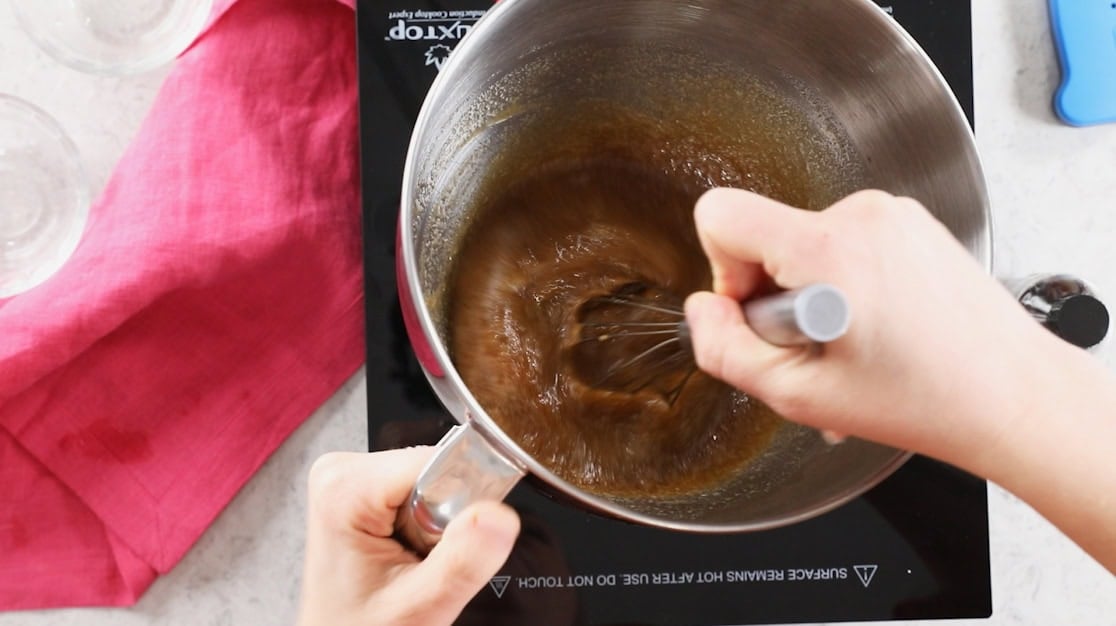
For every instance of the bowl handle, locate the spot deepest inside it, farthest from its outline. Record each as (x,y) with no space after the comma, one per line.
(466,468)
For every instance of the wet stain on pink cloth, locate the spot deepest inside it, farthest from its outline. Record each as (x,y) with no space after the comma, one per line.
(128,446)
(14,535)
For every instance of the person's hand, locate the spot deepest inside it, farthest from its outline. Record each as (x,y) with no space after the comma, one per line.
(356,573)
(937,350)
(938,359)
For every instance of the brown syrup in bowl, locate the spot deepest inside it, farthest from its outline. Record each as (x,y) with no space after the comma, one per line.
(577,208)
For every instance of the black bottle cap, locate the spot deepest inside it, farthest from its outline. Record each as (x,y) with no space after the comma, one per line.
(1081,320)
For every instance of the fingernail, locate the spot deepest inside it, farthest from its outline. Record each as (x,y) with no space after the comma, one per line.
(692,309)
(697,307)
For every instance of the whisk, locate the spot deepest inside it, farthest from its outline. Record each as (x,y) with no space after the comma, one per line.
(637,337)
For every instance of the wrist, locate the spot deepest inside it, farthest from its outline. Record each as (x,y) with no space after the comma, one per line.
(1005,395)
(1054,388)
(1057,455)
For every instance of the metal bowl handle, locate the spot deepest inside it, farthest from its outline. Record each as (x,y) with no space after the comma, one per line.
(465,469)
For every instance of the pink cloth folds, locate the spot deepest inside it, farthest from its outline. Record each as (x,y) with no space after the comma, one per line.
(214,303)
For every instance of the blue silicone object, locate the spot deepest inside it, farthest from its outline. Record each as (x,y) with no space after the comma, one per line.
(1085,34)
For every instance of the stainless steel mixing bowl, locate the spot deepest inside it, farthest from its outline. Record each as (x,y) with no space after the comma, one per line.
(846,63)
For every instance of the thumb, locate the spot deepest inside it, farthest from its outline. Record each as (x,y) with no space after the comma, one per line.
(474,547)
(724,346)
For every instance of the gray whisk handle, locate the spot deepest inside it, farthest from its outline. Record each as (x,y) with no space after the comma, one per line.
(818,313)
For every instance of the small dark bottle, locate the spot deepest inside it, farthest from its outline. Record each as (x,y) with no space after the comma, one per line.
(1065,305)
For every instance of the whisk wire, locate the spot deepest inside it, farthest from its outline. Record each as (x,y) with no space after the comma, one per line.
(643,305)
(635,359)
(673,330)
(623,333)
(673,393)
(630,325)
(634,340)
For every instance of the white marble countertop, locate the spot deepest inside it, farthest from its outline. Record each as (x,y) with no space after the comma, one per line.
(1054,196)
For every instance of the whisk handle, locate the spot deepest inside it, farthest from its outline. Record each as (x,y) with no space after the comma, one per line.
(818,313)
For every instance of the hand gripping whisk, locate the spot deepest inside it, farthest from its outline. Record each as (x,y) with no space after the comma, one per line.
(637,337)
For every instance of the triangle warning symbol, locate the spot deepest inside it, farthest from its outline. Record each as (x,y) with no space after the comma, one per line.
(865,573)
(499,585)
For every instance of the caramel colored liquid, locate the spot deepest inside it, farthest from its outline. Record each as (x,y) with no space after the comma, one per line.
(609,201)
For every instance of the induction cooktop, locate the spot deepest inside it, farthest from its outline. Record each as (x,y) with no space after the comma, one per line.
(914,547)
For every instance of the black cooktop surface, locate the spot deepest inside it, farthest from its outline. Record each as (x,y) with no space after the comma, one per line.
(915,547)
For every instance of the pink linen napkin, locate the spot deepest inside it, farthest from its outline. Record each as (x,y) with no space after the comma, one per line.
(214,303)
